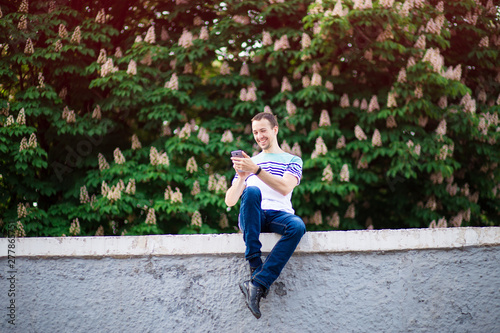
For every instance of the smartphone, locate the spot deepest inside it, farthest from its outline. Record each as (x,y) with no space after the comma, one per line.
(237,153)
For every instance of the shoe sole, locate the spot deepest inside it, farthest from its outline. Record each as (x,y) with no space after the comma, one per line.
(244,290)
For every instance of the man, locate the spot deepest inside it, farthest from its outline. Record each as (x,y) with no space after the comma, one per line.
(265,183)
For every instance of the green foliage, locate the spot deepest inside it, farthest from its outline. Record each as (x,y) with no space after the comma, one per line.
(120,121)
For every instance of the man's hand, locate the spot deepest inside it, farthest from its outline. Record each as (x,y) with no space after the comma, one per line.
(244,166)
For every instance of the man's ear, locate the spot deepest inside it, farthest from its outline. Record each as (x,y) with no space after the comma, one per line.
(276,130)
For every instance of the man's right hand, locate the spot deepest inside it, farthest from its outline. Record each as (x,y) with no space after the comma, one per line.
(241,174)
(244,166)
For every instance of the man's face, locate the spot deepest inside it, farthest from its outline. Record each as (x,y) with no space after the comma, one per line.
(263,133)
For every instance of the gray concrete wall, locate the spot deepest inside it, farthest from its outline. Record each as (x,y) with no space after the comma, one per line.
(453,289)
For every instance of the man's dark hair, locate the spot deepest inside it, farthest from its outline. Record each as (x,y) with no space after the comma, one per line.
(266,115)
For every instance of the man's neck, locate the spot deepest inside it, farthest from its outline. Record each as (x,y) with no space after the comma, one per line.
(274,149)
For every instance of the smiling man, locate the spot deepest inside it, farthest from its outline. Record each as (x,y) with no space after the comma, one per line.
(265,184)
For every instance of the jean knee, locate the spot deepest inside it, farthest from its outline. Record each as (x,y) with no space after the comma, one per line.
(297,227)
(252,192)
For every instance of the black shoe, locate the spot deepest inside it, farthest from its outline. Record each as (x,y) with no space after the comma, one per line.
(252,270)
(252,297)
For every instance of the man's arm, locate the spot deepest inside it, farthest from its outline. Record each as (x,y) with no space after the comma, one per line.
(283,185)
(233,194)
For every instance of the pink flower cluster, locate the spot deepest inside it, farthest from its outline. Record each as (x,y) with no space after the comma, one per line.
(320,148)
(84,195)
(191,165)
(108,67)
(266,38)
(441,129)
(285,85)
(415,149)
(223,222)
(350,212)
(118,156)
(435,26)
(96,113)
(196,219)
(157,158)
(217,183)
(77,36)
(174,197)
(173,83)
(327,174)
(359,134)
(341,142)
(344,101)
(29,49)
(150,36)
(224,68)
(21,211)
(468,104)
(316,79)
(317,218)
(74,229)
(186,39)
(249,95)
(282,43)
(21,117)
(324,119)
(23,7)
(130,187)
(23,23)
(103,164)
(227,137)
(114,193)
(376,139)
(373,104)
(386,34)
(151,217)
(132,67)
(101,17)
(136,144)
(386,3)
(434,57)
(196,188)
(296,150)
(441,223)
(344,173)
(63,33)
(203,135)
(241,19)
(68,115)
(290,108)
(244,71)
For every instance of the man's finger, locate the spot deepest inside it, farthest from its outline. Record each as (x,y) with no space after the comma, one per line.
(245,155)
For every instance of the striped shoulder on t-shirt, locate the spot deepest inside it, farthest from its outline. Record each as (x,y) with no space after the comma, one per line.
(278,164)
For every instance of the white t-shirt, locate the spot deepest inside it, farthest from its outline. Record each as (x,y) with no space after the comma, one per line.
(278,165)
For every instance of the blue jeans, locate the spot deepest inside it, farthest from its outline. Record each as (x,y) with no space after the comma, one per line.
(254,220)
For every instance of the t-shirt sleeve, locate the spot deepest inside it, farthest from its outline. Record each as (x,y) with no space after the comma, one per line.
(295,168)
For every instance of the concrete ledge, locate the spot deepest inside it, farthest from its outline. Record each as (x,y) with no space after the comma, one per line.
(312,242)
(408,280)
